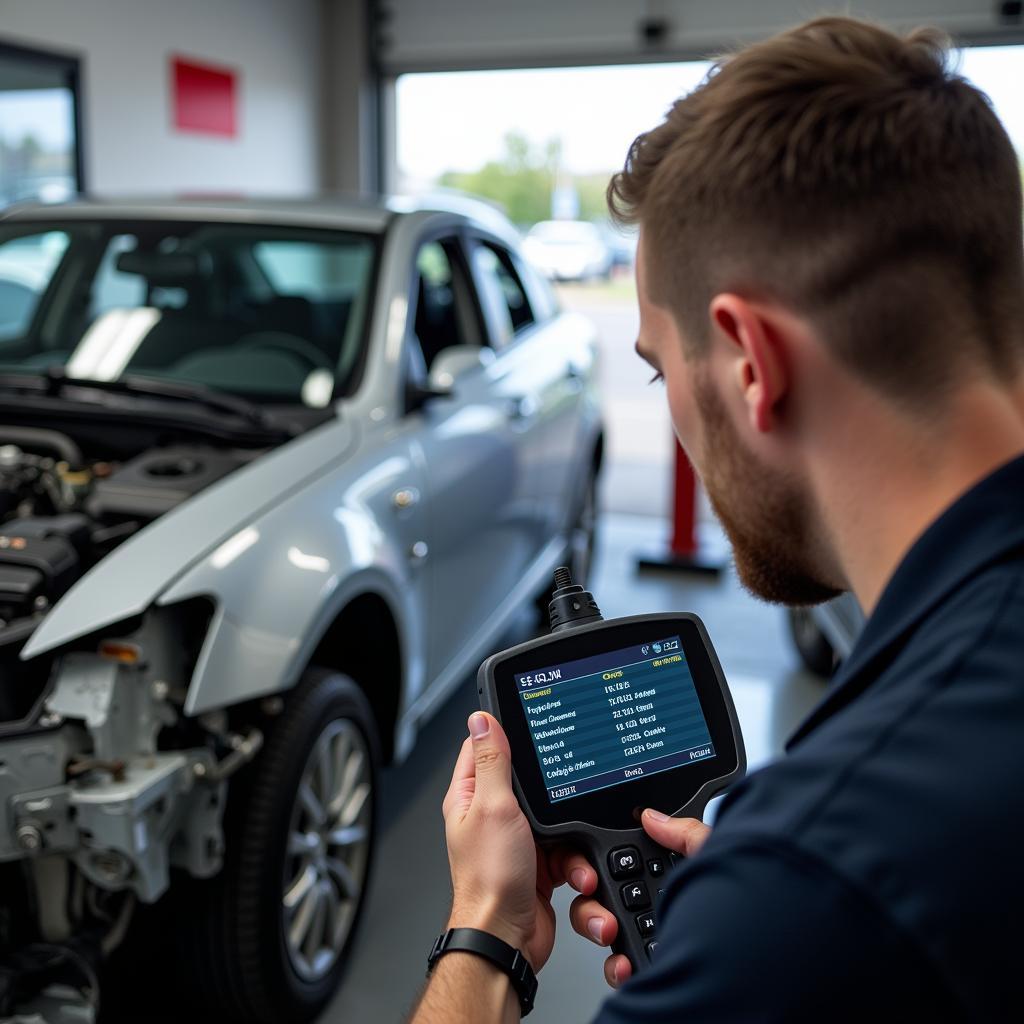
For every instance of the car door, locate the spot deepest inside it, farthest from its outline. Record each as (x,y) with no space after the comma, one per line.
(477,535)
(542,376)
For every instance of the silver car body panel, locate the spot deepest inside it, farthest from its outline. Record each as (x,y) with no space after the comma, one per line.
(841,621)
(283,544)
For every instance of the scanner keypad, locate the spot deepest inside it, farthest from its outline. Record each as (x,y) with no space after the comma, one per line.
(642,877)
(625,862)
(635,896)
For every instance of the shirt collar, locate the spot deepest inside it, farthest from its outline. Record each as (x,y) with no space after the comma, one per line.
(979,528)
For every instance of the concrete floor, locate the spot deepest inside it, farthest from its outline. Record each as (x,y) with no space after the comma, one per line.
(409,895)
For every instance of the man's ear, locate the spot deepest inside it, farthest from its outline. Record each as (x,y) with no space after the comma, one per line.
(758,366)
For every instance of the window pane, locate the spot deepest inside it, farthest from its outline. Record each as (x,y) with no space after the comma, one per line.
(26,264)
(437,321)
(112,288)
(37,130)
(503,295)
(318,271)
(270,313)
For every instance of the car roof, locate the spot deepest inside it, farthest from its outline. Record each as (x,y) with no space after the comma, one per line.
(355,213)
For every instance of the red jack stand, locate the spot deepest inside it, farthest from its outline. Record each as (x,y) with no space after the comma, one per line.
(683,554)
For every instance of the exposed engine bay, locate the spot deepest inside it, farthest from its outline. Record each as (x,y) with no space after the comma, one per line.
(60,512)
(104,785)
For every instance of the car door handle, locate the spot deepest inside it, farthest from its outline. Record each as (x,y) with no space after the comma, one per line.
(522,408)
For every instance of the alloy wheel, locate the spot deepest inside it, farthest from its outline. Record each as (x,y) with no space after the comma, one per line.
(328,848)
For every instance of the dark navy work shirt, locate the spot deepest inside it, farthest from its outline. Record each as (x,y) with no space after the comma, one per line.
(876,872)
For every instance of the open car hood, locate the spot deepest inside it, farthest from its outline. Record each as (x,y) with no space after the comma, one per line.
(126,582)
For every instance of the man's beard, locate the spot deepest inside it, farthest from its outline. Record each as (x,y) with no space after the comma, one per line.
(765,514)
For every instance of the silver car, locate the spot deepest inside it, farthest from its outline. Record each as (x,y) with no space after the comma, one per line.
(825,634)
(274,478)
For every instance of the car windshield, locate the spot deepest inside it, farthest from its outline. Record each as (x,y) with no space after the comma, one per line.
(272,314)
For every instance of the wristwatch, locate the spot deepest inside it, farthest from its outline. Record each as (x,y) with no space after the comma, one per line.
(490,947)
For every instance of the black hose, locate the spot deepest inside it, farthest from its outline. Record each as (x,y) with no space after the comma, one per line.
(52,440)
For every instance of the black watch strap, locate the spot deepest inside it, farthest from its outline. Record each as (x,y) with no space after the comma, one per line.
(505,957)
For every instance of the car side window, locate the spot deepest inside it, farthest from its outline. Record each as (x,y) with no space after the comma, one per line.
(501,292)
(444,315)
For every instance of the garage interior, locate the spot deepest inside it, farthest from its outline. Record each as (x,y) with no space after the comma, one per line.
(313,109)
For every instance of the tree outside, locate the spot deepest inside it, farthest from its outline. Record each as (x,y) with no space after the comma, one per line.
(524,179)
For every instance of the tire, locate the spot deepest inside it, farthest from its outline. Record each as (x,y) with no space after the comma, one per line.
(579,553)
(281,866)
(812,645)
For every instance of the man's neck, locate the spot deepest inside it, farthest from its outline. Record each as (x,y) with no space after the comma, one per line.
(878,505)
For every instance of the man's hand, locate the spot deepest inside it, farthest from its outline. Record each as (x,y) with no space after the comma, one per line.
(593,921)
(501,882)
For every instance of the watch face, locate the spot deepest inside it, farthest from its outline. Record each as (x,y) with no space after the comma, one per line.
(605,721)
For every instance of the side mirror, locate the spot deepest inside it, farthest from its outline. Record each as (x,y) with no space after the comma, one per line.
(452,363)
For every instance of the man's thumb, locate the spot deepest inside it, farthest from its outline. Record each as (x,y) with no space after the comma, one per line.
(490,752)
(683,835)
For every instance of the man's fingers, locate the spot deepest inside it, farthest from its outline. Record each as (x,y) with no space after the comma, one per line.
(568,865)
(579,873)
(683,835)
(491,756)
(617,969)
(460,790)
(592,921)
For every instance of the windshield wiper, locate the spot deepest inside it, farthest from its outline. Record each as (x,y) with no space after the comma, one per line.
(55,380)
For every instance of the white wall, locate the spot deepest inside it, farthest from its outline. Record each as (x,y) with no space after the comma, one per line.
(125,45)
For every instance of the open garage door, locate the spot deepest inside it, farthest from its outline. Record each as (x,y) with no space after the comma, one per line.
(413,35)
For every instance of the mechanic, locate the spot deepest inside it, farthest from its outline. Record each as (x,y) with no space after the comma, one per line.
(830,281)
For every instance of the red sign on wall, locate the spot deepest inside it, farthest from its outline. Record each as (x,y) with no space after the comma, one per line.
(204,98)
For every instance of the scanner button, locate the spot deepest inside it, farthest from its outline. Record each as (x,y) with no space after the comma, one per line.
(651,947)
(635,896)
(625,862)
(645,924)
(656,867)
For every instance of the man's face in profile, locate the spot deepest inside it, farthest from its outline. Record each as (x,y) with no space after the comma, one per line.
(768,515)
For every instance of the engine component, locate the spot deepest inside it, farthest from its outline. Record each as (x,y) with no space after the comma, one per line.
(127,826)
(119,710)
(39,560)
(128,810)
(37,440)
(159,480)
(32,792)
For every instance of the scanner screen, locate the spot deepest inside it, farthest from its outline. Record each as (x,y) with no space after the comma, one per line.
(614,717)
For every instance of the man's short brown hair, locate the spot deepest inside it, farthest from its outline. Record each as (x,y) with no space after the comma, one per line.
(849,172)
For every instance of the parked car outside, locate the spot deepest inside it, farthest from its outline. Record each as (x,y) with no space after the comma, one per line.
(568,250)
(274,478)
(622,243)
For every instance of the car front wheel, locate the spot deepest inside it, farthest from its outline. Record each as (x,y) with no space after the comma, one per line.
(300,841)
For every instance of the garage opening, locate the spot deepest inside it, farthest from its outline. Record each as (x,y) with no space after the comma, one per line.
(40,152)
(541,144)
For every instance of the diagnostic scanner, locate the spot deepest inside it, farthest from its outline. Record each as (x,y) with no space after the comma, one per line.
(606,718)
